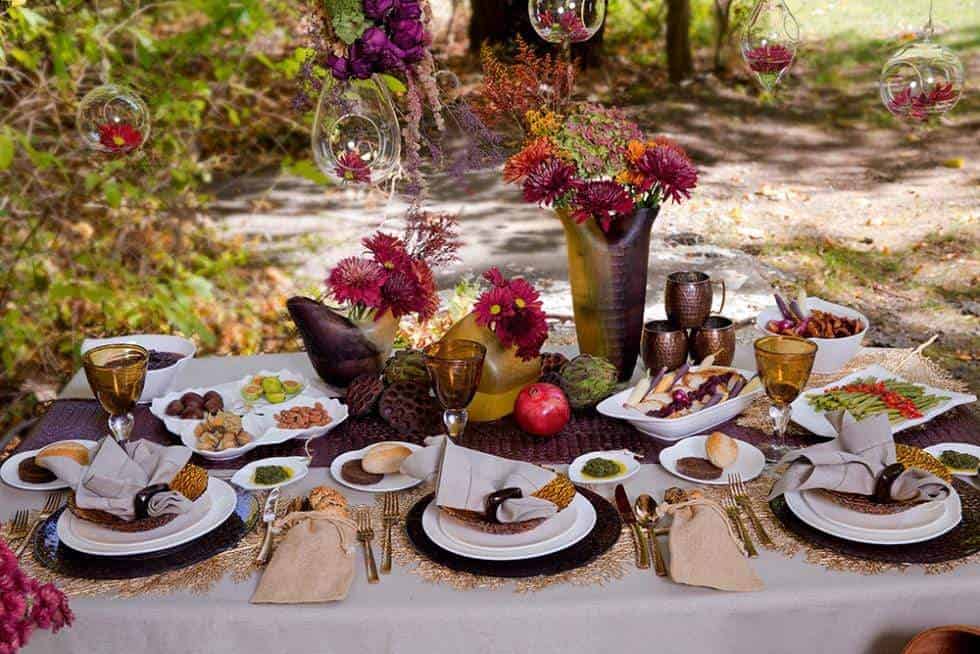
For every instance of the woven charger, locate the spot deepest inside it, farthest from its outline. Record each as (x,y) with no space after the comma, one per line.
(559,490)
(910,457)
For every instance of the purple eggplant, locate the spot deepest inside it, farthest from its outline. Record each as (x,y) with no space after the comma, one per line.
(656,380)
(797,311)
(737,387)
(735,392)
(679,374)
(713,400)
(783,307)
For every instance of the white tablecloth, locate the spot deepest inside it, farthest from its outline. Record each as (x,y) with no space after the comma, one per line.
(804,608)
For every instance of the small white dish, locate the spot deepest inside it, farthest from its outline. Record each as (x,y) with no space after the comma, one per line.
(624,457)
(243,477)
(265,418)
(283,375)
(392,482)
(749,463)
(189,439)
(9,475)
(674,429)
(233,403)
(963,448)
(832,353)
(809,418)
(158,382)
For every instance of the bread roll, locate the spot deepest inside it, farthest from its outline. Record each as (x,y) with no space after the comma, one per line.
(385,458)
(329,500)
(74,451)
(722,450)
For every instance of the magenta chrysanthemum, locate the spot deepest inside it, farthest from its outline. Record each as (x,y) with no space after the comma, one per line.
(26,605)
(358,281)
(768,59)
(494,306)
(668,169)
(351,168)
(548,181)
(512,310)
(603,200)
(389,251)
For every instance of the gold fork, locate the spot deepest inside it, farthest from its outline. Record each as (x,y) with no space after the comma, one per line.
(741,495)
(52,504)
(389,519)
(731,508)
(365,534)
(17,526)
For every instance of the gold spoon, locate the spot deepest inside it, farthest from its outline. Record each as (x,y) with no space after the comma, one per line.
(646,514)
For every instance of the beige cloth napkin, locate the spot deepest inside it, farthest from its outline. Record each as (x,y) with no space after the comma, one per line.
(704,551)
(852,462)
(466,477)
(118,472)
(313,563)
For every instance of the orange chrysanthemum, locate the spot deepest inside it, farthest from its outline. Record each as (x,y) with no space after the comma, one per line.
(635,150)
(518,166)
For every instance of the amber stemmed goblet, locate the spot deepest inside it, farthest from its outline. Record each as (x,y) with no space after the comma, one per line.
(455,366)
(116,373)
(784,364)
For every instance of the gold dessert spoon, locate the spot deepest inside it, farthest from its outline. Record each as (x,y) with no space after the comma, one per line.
(646,514)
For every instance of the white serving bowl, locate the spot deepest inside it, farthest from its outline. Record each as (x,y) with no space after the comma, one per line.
(832,353)
(158,382)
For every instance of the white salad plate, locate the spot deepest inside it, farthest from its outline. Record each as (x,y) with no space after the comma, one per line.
(624,457)
(963,448)
(950,517)
(395,481)
(8,471)
(832,353)
(158,382)
(243,477)
(209,512)
(549,530)
(674,429)
(749,463)
(809,418)
(585,519)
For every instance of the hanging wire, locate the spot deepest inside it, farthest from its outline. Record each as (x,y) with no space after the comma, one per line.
(929,27)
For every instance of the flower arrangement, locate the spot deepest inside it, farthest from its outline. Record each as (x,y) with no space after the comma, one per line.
(26,605)
(769,59)
(395,274)
(918,106)
(511,309)
(595,163)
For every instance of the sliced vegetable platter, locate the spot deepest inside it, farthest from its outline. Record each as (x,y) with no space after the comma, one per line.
(874,390)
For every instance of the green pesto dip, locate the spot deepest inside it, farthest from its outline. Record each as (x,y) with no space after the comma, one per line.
(600,468)
(268,475)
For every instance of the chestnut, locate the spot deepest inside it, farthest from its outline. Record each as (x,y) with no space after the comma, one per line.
(174,408)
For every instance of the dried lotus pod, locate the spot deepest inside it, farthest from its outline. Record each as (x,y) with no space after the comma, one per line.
(363,395)
(409,407)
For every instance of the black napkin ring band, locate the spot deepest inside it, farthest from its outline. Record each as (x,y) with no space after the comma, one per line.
(141,503)
(883,485)
(497,498)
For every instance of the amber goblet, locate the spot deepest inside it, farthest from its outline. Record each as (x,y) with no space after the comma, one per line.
(116,373)
(784,364)
(455,366)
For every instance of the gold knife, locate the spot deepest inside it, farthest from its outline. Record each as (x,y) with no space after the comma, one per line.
(626,513)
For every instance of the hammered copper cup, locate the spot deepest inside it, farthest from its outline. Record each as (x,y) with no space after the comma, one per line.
(716,336)
(688,296)
(664,345)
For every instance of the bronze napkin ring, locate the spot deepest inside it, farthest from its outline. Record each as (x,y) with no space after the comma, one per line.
(141,503)
(497,498)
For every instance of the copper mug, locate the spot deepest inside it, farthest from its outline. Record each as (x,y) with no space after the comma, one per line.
(664,345)
(716,336)
(688,297)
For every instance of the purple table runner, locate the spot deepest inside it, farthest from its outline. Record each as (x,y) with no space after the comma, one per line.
(586,432)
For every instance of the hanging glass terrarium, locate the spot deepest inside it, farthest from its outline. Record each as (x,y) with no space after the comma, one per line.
(770,41)
(923,79)
(566,21)
(356,135)
(113,119)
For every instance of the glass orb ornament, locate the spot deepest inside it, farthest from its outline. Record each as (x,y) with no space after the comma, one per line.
(113,119)
(923,79)
(566,21)
(770,41)
(356,135)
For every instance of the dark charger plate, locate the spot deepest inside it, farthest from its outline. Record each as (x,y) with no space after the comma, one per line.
(603,536)
(49,551)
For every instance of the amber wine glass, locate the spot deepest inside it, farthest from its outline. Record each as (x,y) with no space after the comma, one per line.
(784,364)
(455,366)
(116,373)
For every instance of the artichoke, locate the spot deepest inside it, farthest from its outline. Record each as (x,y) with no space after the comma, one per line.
(406,365)
(587,380)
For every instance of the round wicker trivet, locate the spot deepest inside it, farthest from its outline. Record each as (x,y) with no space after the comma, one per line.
(50,553)
(115,523)
(602,537)
(961,541)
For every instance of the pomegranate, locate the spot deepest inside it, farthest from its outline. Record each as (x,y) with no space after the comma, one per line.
(542,409)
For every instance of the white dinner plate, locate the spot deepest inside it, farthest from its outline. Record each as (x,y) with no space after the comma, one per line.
(585,518)
(811,419)
(392,482)
(91,539)
(549,530)
(951,517)
(8,471)
(920,516)
(749,463)
(624,457)
(965,448)
(298,464)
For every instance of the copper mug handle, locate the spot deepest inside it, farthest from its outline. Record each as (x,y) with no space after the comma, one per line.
(723,293)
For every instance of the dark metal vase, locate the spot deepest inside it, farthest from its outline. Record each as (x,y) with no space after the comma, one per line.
(608,274)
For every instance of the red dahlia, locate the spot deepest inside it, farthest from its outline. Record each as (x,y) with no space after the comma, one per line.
(119,137)
(548,181)
(358,281)
(512,309)
(389,251)
(769,58)
(670,169)
(603,200)
(351,168)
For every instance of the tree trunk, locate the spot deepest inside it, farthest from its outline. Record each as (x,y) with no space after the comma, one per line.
(680,64)
(723,15)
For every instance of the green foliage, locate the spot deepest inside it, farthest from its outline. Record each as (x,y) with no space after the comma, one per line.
(347,19)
